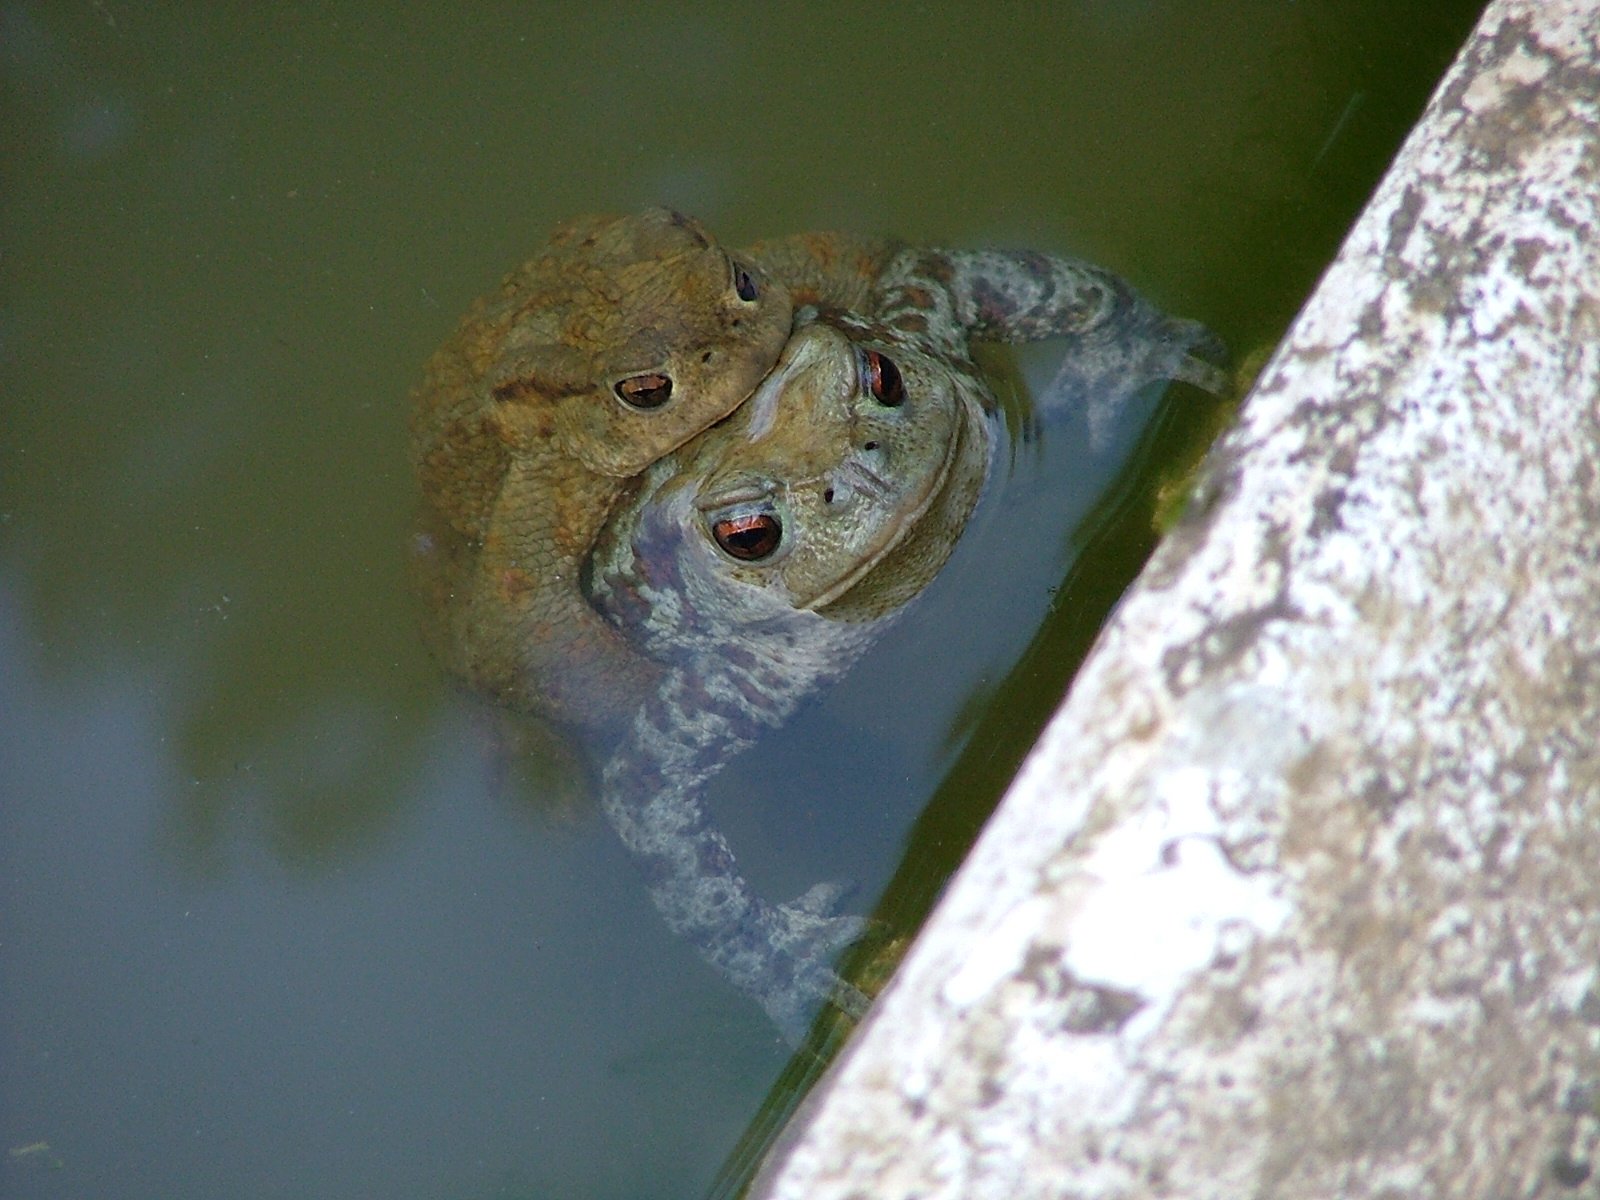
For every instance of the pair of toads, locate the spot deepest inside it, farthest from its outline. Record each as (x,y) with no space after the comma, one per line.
(669,491)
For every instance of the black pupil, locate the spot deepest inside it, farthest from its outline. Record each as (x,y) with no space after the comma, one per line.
(883,378)
(645,391)
(748,538)
(743,284)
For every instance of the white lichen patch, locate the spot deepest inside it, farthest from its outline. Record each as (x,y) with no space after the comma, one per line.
(1157,894)
(998,955)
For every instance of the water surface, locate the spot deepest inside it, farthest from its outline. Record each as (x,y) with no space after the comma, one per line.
(275,920)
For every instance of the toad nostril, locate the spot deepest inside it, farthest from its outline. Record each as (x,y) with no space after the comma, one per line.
(870,446)
(827,496)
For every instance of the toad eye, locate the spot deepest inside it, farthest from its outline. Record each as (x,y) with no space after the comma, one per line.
(644,392)
(744,283)
(749,537)
(883,380)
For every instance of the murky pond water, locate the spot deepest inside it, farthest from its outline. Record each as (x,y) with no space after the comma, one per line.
(275,920)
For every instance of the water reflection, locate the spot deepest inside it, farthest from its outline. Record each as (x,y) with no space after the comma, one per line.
(373,1025)
(88,124)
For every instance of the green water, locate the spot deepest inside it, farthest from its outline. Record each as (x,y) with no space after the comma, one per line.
(274,919)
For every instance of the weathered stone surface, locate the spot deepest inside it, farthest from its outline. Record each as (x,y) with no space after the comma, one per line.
(1299,895)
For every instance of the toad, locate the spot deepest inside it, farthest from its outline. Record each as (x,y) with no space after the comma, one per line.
(624,338)
(758,562)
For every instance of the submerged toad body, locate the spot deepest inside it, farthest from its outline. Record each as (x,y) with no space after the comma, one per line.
(758,562)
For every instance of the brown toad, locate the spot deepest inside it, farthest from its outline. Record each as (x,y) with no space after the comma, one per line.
(626,337)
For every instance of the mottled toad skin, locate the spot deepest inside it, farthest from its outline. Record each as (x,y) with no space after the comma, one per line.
(626,337)
(758,562)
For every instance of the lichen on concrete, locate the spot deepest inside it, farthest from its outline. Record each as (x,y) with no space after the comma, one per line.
(1299,894)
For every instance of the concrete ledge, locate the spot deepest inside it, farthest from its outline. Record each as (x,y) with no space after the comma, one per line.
(1299,894)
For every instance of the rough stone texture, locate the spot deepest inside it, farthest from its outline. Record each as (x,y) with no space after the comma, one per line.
(1299,895)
